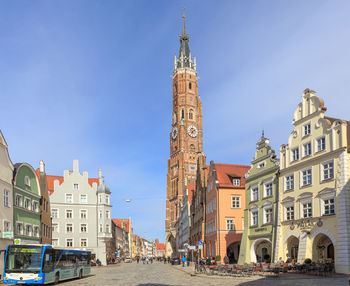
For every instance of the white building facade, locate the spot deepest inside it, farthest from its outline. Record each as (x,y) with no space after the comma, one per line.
(81,212)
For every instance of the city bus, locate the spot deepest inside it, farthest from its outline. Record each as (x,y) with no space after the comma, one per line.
(42,264)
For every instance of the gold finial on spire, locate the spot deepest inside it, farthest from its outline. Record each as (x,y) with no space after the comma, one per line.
(183,12)
(183,17)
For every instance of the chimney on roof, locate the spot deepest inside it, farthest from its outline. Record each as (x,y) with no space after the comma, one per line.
(76,166)
(42,166)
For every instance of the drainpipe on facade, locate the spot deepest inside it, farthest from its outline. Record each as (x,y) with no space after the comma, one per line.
(276,218)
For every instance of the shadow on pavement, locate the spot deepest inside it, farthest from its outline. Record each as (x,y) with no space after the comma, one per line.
(152,284)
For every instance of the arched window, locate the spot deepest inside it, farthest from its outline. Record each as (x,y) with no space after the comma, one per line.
(192,148)
(182,114)
(190,85)
(175,86)
(191,114)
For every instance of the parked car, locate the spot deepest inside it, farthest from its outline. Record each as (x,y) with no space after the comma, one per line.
(127,260)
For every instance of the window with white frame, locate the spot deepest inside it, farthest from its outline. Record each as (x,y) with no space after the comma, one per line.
(289,182)
(100,199)
(7,226)
(254,217)
(307,149)
(329,206)
(295,154)
(100,214)
(55,227)
(107,199)
(327,170)
(18,200)
(321,144)
(27,204)
(107,214)
(306,176)
(307,209)
(307,129)
(236,182)
(255,193)
(69,227)
(29,230)
(230,224)
(235,202)
(76,186)
(27,181)
(289,212)
(69,198)
(36,231)
(35,206)
(69,213)
(54,242)
(268,189)
(83,199)
(7,200)
(19,228)
(83,242)
(101,228)
(69,242)
(83,227)
(107,228)
(261,165)
(54,213)
(268,214)
(83,214)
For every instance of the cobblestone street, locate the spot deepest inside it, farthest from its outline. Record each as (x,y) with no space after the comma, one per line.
(160,274)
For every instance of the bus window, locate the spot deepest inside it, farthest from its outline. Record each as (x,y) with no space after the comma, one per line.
(49,262)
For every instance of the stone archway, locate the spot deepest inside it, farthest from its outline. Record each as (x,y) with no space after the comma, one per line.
(232,252)
(170,246)
(292,245)
(261,250)
(322,248)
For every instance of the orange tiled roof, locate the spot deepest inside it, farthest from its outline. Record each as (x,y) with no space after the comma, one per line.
(226,172)
(120,221)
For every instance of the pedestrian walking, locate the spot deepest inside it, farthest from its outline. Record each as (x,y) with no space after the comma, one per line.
(183,259)
(188,261)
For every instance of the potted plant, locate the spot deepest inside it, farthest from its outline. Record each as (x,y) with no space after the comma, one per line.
(307,261)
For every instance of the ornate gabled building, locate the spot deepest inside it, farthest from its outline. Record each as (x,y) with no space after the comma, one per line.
(186,136)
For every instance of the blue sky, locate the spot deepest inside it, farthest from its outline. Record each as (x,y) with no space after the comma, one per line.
(91,80)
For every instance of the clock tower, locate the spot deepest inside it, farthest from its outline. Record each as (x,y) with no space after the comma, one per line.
(186,136)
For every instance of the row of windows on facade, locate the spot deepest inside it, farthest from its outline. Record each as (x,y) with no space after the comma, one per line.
(27,229)
(84,199)
(327,172)
(69,214)
(235,204)
(189,86)
(23,202)
(69,242)
(182,115)
(83,228)
(229,224)
(235,181)
(320,145)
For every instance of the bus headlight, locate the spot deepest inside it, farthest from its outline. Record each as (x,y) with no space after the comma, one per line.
(37,278)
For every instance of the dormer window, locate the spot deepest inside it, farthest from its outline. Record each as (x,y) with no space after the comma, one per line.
(261,165)
(76,186)
(236,182)
(27,181)
(307,129)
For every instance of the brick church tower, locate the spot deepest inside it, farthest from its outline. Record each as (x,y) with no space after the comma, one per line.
(186,136)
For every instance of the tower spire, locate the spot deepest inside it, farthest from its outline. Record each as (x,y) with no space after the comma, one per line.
(183,17)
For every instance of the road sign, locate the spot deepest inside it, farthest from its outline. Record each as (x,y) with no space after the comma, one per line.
(182,250)
(200,242)
(186,245)
(192,247)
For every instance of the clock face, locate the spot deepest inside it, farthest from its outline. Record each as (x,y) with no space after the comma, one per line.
(192,131)
(174,133)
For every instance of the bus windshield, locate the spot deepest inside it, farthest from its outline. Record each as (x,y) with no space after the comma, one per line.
(22,258)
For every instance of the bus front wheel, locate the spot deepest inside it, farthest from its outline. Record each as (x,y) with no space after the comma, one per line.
(57,278)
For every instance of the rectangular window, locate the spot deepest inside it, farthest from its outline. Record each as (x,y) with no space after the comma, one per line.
(268,190)
(101,228)
(83,214)
(307,149)
(107,228)
(290,213)
(307,177)
(27,204)
(235,202)
(321,144)
(7,201)
(29,230)
(69,242)
(328,170)
(83,199)
(268,215)
(55,227)
(255,194)
(307,209)
(69,214)
(69,198)
(100,199)
(76,186)
(83,242)
(19,228)
(83,227)
(295,154)
(35,206)
(229,224)
(289,180)
(107,214)
(107,199)
(307,129)
(36,231)
(69,227)
(254,218)
(54,213)
(329,206)
(18,201)
(7,226)
(236,182)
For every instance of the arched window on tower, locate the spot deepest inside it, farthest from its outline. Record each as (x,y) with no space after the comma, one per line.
(190,85)
(175,87)
(191,114)
(192,148)
(182,114)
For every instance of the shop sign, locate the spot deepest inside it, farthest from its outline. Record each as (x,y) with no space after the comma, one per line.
(7,234)
(260,229)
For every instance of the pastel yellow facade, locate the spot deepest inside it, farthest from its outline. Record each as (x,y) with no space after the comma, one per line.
(314,201)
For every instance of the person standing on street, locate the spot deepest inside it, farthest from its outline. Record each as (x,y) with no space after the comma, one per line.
(183,259)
